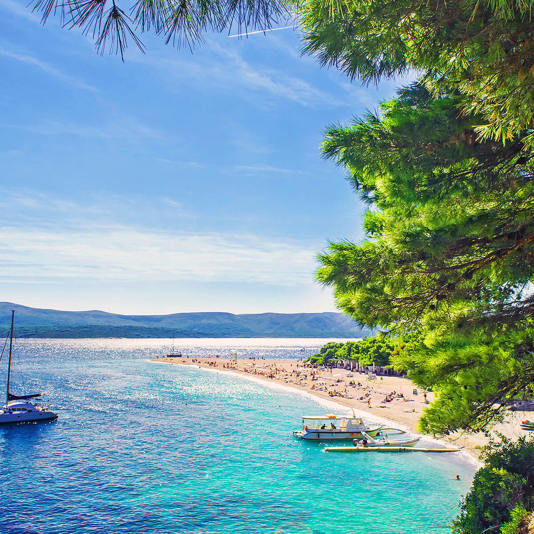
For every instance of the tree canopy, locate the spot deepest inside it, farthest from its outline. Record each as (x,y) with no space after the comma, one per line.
(375,350)
(481,48)
(446,169)
(449,249)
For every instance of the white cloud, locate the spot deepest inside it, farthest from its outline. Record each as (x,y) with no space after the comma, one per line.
(26,208)
(222,67)
(53,240)
(49,69)
(273,81)
(113,252)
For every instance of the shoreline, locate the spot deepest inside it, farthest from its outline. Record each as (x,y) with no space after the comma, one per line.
(345,390)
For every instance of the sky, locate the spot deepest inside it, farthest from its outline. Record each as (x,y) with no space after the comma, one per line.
(172,182)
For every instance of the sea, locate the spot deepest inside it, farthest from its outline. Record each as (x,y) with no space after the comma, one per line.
(142,447)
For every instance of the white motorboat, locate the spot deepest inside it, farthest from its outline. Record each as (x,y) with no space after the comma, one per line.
(329,426)
(18,408)
(366,440)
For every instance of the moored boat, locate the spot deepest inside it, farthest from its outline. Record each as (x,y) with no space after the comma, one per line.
(174,353)
(334,427)
(25,412)
(368,441)
(18,408)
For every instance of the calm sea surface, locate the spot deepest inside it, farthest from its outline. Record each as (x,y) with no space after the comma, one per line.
(141,447)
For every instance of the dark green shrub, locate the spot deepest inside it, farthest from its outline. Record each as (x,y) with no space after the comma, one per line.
(500,491)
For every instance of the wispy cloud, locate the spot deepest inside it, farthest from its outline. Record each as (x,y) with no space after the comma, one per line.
(124,129)
(32,209)
(49,69)
(224,68)
(272,80)
(180,163)
(113,252)
(60,239)
(174,204)
(17,8)
(266,169)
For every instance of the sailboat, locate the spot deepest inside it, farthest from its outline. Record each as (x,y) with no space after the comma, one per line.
(18,408)
(173,353)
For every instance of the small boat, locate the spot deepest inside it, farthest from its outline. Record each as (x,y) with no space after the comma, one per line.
(527,425)
(331,426)
(365,440)
(174,353)
(18,408)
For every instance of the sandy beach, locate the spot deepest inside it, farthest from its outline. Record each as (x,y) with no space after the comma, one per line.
(394,398)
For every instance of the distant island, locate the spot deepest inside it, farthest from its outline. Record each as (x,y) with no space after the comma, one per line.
(37,322)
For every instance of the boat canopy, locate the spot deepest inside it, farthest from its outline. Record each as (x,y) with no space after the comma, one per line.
(20,405)
(11,397)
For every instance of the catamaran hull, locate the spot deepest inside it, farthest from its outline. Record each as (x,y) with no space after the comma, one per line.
(323,435)
(33,417)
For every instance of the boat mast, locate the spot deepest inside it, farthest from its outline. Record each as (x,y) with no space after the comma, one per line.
(10,353)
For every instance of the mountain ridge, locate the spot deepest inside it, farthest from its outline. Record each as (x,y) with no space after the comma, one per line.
(47,322)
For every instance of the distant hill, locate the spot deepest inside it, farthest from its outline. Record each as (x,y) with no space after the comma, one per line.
(37,322)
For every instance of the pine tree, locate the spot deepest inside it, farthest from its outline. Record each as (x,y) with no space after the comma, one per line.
(448,254)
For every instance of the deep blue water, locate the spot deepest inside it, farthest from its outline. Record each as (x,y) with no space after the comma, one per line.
(141,447)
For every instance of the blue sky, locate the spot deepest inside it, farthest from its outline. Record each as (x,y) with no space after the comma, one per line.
(171,182)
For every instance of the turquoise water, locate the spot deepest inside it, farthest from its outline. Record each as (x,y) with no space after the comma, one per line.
(141,447)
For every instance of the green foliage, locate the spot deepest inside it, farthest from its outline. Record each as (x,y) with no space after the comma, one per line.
(481,48)
(474,374)
(502,491)
(327,354)
(449,253)
(375,350)
(517,516)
